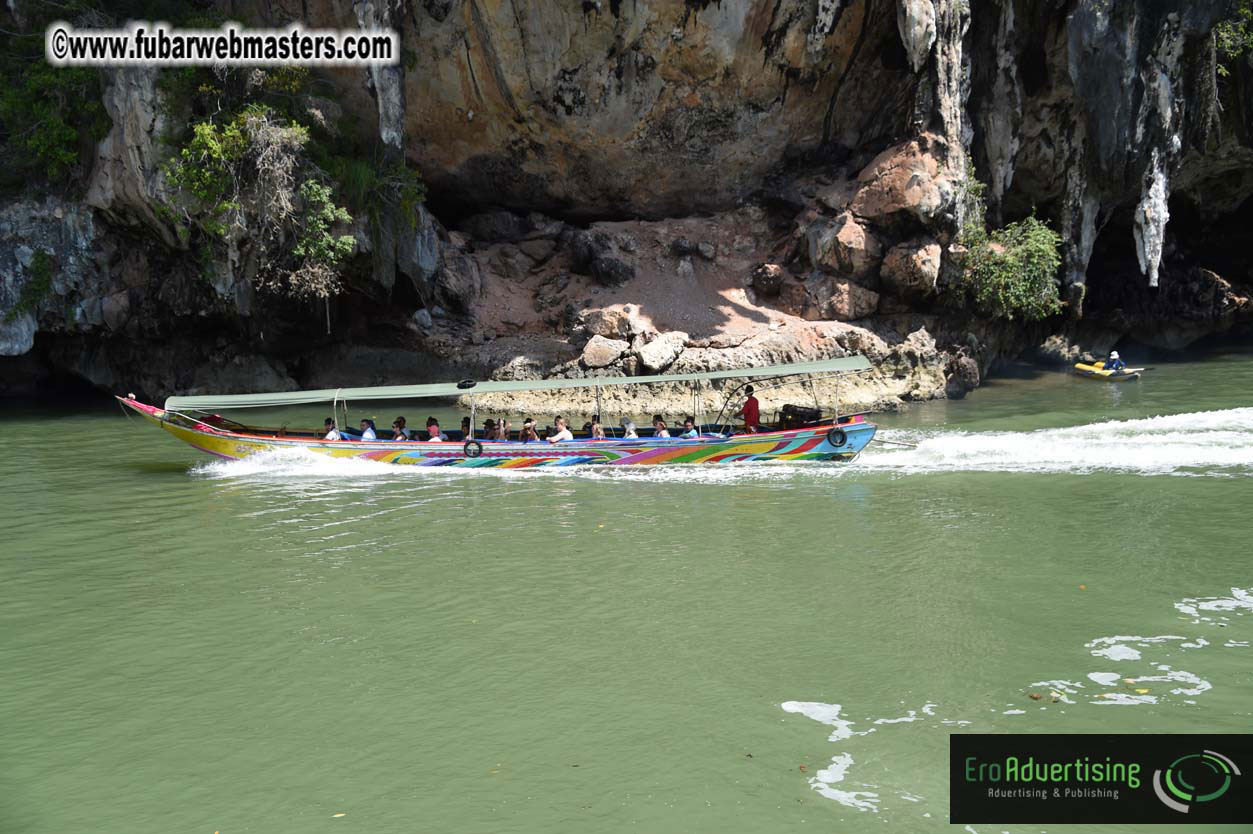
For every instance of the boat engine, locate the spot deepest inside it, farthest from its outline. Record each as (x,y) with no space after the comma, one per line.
(797,416)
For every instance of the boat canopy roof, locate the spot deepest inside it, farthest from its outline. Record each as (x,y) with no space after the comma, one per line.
(824,367)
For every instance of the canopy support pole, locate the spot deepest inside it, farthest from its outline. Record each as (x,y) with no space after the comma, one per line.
(472,423)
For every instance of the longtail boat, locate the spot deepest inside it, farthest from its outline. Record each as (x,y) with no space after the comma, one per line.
(799,434)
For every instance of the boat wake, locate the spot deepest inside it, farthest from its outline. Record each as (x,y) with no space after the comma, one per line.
(1203,443)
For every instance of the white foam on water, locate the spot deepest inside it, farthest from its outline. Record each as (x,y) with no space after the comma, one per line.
(828,714)
(912,716)
(1239,603)
(1116,648)
(1214,443)
(1014,712)
(1235,644)
(1197,685)
(824,780)
(1104,678)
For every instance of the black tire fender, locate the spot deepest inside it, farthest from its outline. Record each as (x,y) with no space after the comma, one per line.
(837,437)
(466,383)
(472,448)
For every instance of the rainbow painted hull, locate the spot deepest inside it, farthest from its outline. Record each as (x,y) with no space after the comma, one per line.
(841,442)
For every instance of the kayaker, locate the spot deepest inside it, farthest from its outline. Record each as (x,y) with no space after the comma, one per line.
(1114,363)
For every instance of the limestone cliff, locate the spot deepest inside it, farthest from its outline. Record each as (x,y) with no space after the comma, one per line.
(627,186)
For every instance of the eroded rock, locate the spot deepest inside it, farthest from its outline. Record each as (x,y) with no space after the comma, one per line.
(911,269)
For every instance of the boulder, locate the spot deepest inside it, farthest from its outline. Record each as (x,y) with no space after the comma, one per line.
(845,246)
(594,252)
(767,279)
(538,250)
(905,182)
(848,300)
(962,376)
(600,352)
(611,272)
(658,354)
(911,269)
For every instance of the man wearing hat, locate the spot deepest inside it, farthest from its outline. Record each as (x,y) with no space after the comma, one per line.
(1114,363)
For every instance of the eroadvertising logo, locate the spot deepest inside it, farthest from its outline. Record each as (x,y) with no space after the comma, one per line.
(1099,778)
(1210,773)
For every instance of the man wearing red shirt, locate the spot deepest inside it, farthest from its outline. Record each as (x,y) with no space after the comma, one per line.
(751,412)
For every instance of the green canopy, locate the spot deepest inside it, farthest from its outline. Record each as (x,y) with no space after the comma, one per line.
(849,364)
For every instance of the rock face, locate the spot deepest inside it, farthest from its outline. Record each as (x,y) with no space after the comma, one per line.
(911,269)
(127,182)
(634,187)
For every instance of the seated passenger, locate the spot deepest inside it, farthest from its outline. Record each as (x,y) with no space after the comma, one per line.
(528,434)
(367,430)
(562,432)
(332,433)
(399,430)
(689,429)
(489,429)
(1114,363)
(597,430)
(467,432)
(628,430)
(659,427)
(432,429)
(502,429)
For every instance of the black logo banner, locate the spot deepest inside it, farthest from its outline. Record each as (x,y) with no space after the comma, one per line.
(1191,779)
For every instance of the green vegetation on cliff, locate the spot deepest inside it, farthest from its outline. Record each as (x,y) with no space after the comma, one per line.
(258,169)
(49,116)
(1233,36)
(1010,272)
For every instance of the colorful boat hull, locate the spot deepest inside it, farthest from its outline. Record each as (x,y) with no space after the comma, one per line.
(841,442)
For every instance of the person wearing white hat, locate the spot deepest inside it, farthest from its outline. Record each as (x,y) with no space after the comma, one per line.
(1114,363)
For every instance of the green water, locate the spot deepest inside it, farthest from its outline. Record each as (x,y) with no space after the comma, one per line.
(197,646)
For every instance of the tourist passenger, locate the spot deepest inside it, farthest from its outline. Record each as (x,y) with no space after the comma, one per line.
(528,434)
(489,429)
(467,432)
(659,427)
(399,430)
(689,429)
(751,412)
(628,430)
(502,429)
(332,433)
(367,430)
(562,433)
(1114,363)
(432,429)
(598,431)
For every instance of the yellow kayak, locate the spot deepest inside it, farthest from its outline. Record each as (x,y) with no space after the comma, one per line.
(1097,371)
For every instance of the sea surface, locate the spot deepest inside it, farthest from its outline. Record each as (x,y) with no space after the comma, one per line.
(294,644)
